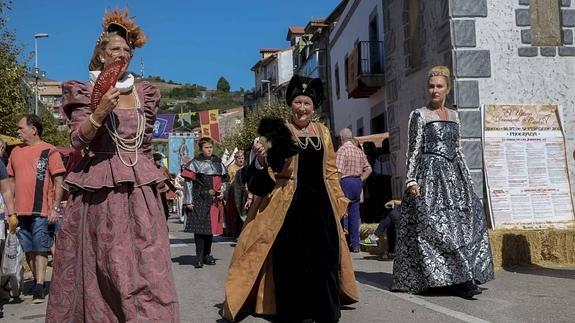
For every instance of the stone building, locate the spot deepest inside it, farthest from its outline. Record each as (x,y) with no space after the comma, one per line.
(500,52)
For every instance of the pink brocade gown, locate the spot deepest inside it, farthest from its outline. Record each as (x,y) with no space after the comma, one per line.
(112,261)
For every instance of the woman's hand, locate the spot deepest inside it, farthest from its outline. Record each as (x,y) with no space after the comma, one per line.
(260,151)
(108,102)
(392,204)
(414,189)
(248,203)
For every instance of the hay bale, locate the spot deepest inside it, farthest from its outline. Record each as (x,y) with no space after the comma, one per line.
(539,247)
(512,248)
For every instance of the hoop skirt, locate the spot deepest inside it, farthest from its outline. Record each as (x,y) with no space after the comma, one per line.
(442,236)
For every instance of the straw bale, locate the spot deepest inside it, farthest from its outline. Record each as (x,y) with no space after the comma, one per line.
(513,247)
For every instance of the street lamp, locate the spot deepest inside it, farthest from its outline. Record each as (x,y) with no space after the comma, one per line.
(269,92)
(37,72)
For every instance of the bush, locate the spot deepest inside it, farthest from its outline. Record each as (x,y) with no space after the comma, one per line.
(246,134)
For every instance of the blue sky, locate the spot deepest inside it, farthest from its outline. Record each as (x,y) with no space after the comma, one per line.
(193,41)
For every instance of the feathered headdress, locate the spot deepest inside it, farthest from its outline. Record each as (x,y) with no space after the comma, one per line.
(119,21)
(313,88)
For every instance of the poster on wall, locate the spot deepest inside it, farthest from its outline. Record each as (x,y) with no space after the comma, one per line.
(181,147)
(526,167)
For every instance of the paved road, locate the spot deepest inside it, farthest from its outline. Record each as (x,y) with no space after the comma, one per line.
(533,294)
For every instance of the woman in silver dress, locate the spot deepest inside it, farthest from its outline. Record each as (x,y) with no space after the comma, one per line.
(442,234)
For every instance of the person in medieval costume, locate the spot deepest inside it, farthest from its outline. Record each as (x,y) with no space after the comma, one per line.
(112,261)
(291,259)
(204,191)
(165,187)
(238,199)
(442,232)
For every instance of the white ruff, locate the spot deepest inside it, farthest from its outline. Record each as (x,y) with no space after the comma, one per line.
(124,84)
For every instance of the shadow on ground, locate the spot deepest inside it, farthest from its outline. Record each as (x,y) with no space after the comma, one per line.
(185,260)
(542,271)
(380,279)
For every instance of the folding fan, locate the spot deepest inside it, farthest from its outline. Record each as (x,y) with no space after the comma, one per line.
(107,78)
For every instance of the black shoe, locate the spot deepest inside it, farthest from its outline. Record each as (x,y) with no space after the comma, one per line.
(209,260)
(38,294)
(199,264)
(467,290)
(468,293)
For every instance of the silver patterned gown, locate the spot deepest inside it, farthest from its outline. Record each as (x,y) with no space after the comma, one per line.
(442,236)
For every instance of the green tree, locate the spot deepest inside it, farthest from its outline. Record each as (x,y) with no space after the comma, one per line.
(184,92)
(223,85)
(245,135)
(52,133)
(12,91)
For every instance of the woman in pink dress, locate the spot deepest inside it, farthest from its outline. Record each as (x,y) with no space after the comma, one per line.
(113,259)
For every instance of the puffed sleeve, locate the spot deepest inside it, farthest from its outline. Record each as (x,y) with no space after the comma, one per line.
(151,104)
(414,146)
(76,105)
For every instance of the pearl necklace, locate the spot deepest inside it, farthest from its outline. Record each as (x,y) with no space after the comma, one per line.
(303,145)
(125,144)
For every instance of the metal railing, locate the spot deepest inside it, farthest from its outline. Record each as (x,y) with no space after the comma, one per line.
(314,65)
(370,57)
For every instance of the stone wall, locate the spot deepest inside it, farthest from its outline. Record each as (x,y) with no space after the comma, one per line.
(487,45)
(519,72)
(415,31)
(471,63)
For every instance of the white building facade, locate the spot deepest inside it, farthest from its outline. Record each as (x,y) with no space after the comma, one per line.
(356,68)
(276,66)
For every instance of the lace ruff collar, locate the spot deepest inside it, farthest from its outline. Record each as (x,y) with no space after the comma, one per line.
(125,83)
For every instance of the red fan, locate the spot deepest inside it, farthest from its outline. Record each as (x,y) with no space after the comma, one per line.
(107,78)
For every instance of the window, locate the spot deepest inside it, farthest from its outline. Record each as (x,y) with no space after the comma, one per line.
(336,80)
(545,22)
(414,30)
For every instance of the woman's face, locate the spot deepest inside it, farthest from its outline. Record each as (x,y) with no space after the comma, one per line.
(207,149)
(302,110)
(437,88)
(239,159)
(117,49)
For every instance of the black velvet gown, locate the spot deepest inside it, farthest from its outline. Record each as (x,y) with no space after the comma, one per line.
(306,250)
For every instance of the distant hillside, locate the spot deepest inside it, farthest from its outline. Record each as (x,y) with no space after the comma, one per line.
(177,98)
(164,86)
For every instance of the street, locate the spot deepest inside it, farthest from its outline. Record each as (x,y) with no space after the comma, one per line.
(533,294)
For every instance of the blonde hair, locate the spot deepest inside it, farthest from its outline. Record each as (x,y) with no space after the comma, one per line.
(440,70)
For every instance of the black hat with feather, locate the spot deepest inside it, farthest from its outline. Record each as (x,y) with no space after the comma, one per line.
(312,88)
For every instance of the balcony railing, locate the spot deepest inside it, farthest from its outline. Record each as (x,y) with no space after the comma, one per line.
(370,57)
(365,70)
(314,66)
